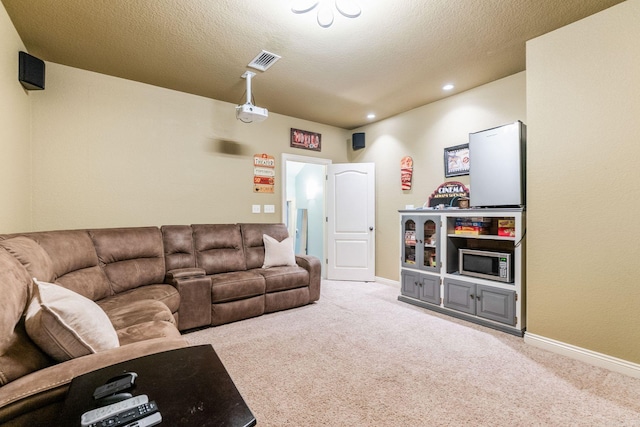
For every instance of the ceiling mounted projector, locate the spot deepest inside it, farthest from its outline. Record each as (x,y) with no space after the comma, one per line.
(247,112)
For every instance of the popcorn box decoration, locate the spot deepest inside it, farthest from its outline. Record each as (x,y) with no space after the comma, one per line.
(506,228)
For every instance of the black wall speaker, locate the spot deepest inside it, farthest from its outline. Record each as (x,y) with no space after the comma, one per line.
(357,140)
(30,71)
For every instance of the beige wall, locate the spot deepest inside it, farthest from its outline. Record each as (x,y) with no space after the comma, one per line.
(15,105)
(423,133)
(112,152)
(583,101)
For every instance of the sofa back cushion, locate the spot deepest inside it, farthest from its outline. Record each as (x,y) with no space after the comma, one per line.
(31,255)
(218,248)
(254,244)
(18,354)
(75,262)
(131,257)
(178,247)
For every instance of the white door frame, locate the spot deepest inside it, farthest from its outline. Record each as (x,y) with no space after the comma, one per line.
(305,159)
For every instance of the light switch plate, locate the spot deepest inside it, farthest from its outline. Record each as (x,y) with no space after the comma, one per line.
(255,208)
(269,208)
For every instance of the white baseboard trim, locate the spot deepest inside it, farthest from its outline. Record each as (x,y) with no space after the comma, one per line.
(388,282)
(593,358)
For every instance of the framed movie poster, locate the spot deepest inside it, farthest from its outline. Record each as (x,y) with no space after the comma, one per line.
(456,160)
(305,139)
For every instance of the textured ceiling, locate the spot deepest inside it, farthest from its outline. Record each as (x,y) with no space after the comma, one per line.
(394,57)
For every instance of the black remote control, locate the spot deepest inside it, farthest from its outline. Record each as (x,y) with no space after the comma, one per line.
(128,415)
(115,385)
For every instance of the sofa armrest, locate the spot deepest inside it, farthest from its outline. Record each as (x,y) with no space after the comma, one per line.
(195,297)
(184,273)
(313,266)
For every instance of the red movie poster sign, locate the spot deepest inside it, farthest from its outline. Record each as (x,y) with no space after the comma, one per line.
(306,140)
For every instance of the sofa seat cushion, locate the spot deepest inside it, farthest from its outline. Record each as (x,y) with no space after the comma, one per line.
(236,285)
(141,311)
(283,278)
(162,292)
(148,331)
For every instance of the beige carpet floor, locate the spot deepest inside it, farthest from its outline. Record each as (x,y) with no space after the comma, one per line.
(360,357)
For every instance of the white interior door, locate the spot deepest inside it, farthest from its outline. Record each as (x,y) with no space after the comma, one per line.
(351,221)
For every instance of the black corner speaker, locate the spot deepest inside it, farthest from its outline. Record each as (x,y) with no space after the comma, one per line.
(30,71)
(357,140)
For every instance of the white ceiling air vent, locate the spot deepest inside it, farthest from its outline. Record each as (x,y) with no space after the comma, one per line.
(264,60)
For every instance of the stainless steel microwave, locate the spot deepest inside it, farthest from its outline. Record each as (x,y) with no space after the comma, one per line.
(486,264)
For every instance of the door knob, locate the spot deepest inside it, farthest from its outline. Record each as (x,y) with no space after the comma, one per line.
(370,228)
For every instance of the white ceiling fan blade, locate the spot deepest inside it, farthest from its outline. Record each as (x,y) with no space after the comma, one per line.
(303,6)
(348,8)
(325,15)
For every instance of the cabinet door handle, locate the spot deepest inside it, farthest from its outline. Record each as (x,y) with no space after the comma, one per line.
(472,296)
(478,297)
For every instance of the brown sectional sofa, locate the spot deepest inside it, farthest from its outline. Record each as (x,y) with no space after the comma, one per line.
(151,282)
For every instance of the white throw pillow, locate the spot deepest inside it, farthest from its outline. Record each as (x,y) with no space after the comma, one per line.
(277,254)
(65,324)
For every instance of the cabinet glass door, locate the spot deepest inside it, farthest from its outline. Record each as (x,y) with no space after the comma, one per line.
(429,244)
(410,243)
(420,242)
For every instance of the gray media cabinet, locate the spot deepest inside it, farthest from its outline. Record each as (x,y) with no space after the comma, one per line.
(429,267)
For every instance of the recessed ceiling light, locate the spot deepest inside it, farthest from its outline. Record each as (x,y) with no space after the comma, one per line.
(448,86)
(371,116)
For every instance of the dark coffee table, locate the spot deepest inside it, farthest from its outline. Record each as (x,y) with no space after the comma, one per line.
(190,386)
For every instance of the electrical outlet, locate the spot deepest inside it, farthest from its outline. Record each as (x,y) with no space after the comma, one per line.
(255,208)
(269,209)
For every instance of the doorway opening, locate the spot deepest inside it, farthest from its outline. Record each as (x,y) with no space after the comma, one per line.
(303,207)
